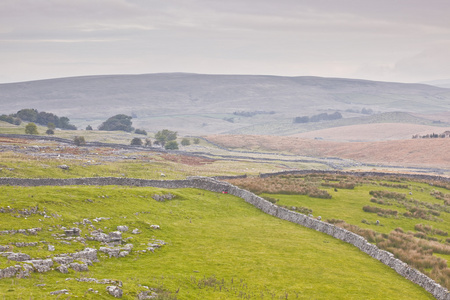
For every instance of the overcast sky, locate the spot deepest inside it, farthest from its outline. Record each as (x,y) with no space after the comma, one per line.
(389,40)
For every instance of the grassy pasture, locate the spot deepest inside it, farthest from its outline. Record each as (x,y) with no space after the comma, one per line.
(217,247)
(417,221)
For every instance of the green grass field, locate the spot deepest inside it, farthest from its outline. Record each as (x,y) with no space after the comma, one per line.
(217,247)
(411,220)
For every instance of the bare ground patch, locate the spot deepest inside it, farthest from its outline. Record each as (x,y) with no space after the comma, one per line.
(417,152)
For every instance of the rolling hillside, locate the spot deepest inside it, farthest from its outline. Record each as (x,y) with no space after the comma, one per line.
(201,104)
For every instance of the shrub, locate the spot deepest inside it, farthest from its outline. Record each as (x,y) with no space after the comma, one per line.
(140,131)
(136,142)
(79,140)
(185,142)
(31,128)
(117,122)
(50,131)
(171,145)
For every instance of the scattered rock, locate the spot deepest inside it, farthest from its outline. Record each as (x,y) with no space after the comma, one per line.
(9,272)
(65,260)
(63,269)
(123,253)
(86,221)
(115,237)
(155,227)
(23,244)
(135,231)
(4,248)
(72,232)
(146,295)
(41,265)
(114,291)
(87,254)
(51,248)
(122,228)
(64,167)
(19,257)
(79,267)
(112,252)
(64,291)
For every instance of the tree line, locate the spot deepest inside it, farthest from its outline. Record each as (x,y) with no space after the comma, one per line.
(41,118)
(318,118)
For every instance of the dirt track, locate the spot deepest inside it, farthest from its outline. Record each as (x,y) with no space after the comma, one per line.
(434,153)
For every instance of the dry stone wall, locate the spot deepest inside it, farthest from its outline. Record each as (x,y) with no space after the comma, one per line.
(213,185)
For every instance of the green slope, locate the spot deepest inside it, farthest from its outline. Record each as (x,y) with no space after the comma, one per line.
(217,247)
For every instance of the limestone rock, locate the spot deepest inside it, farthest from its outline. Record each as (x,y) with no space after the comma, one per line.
(79,267)
(64,291)
(9,272)
(41,265)
(19,257)
(115,237)
(114,291)
(87,254)
(63,269)
(135,231)
(122,228)
(64,260)
(72,232)
(146,295)
(112,252)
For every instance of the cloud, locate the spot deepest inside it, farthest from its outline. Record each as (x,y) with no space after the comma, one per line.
(385,39)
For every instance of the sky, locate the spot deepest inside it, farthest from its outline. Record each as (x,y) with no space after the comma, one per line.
(386,40)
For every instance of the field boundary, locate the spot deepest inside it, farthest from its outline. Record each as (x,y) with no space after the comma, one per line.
(267,207)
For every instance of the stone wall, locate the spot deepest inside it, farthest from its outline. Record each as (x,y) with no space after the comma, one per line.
(213,185)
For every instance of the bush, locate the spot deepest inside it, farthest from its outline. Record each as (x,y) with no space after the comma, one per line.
(117,123)
(165,136)
(196,141)
(89,127)
(140,131)
(185,142)
(148,143)
(136,142)
(79,140)
(50,131)
(31,128)
(171,145)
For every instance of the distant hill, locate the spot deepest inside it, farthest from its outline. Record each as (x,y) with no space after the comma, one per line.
(204,104)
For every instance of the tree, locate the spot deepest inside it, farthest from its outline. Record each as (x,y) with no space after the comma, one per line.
(31,128)
(140,131)
(171,145)
(27,114)
(79,140)
(51,126)
(89,127)
(148,143)
(64,124)
(165,136)
(185,142)
(116,123)
(136,142)
(196,141)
